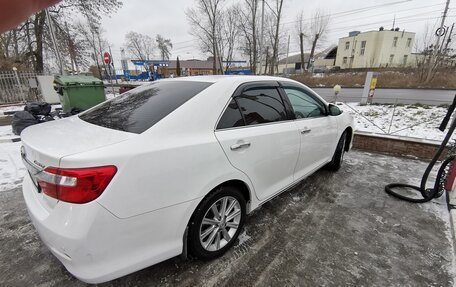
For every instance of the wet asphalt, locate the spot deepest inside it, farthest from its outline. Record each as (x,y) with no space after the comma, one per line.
(333,229)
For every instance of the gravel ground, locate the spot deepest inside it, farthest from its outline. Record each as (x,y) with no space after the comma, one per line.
(333,229)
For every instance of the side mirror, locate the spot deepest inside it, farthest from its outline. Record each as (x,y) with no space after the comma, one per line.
(334,110)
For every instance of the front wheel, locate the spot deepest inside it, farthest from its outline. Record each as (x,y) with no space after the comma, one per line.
(216,223)
(338,156)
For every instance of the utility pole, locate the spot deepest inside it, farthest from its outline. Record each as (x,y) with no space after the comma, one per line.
(433,59)
(301,44)
(124,63)
(112,64)
(261,38)
(286,60)
(95,54)
(54,42)
(450,35)
(267,60)
(219,59)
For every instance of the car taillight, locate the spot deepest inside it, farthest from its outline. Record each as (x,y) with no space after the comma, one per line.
(79,185)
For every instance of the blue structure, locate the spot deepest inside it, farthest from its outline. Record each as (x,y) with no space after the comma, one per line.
(239,72)
(148,73)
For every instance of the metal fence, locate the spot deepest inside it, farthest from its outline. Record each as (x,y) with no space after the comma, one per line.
(18,86)
(397,116)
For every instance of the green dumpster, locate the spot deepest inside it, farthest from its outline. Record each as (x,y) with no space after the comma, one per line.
(79,92)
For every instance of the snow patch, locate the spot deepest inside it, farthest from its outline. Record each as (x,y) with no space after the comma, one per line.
(243,238)
(12,170)
(6,132)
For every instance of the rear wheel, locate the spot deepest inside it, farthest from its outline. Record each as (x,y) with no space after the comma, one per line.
(338,156)
(216,223)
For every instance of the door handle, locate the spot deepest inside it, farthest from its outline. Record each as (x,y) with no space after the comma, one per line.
(305,131)
(239,145)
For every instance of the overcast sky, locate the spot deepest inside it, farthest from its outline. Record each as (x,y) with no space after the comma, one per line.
(168,19)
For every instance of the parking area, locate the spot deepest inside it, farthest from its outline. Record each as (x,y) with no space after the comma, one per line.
(333,229)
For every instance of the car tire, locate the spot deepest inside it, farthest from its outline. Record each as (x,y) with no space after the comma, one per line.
(338,156)
(208,231)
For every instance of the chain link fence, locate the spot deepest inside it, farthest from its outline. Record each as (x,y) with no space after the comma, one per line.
(18,86)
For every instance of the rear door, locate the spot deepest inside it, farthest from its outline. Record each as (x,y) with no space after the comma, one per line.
(317,130)
(259,137)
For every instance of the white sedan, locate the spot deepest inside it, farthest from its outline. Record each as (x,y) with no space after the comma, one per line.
(172,167)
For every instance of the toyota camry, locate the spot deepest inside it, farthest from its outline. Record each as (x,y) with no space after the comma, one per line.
(172,167)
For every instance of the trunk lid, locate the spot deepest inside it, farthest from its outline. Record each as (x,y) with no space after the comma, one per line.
(45,144)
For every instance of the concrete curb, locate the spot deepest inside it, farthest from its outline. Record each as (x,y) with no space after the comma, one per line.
(395,145)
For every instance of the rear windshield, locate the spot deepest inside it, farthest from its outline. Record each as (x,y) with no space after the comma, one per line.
(137,110)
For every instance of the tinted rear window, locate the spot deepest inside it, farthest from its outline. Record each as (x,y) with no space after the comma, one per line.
(139,109)
(262,105)
(232,117)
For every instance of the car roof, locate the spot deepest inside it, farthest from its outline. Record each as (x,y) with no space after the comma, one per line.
(228,78)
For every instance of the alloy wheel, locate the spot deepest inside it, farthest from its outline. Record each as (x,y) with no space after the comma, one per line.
(220,223)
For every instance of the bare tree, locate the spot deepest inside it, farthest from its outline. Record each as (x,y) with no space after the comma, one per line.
(269,27)
(164,46)
(429,61)
(317,31)
(139,45)
(229,35)
(33,38)
(248,27)
(92,39)
(205,20)
(276,10)
(424,50)
(300,31)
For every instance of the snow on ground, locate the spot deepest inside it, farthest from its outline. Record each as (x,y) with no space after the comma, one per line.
(16,108)
(134,83)
(6,132)
(13,108)
(111,95)
(12,170)
(415,121)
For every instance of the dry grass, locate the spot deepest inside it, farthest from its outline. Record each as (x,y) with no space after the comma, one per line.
(405,78)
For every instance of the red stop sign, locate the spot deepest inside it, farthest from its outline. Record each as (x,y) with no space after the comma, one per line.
(107,58)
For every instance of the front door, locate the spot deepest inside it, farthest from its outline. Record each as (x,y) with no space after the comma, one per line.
(260,138)
(317,130)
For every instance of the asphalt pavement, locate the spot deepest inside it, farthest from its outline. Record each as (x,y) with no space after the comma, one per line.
(333,229)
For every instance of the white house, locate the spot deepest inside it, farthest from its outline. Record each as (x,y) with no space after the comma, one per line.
(375,49)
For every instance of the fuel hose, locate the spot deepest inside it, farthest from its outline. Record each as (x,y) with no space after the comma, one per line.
(429,194)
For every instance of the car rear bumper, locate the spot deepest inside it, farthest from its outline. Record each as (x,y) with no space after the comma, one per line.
(95,246)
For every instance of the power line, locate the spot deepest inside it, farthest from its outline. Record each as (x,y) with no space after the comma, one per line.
(353,11)
(376,23)
(389,13)
(183,42)
(381,22)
